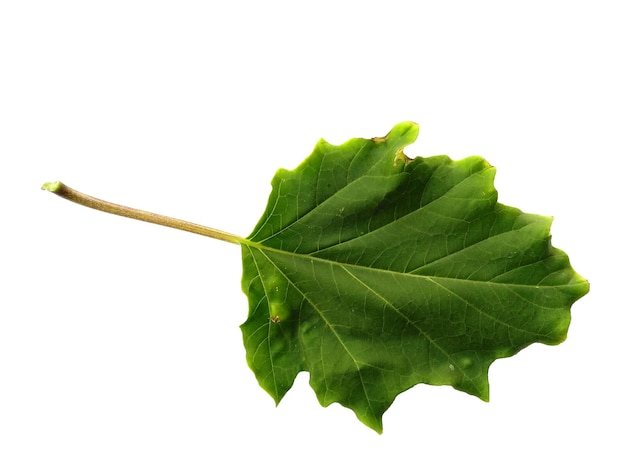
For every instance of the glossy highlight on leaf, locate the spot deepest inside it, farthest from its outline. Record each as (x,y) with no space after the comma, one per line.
(375,272)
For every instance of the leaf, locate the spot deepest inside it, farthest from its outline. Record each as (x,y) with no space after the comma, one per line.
(375,272)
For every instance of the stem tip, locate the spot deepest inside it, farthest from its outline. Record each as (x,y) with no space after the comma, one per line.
(52,187)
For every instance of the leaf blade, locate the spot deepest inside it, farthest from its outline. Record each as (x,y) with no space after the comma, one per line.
(422,277)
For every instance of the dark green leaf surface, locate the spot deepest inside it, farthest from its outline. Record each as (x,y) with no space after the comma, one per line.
(375,272)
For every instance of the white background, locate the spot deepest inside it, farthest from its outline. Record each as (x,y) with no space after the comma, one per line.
(119,341)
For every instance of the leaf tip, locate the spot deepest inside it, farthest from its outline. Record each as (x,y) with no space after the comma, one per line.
(374,423)
(405,132)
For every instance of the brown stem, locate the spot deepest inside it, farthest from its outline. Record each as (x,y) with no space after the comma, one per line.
(70,194)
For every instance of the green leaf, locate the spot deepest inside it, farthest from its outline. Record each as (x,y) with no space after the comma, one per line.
(375,272)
